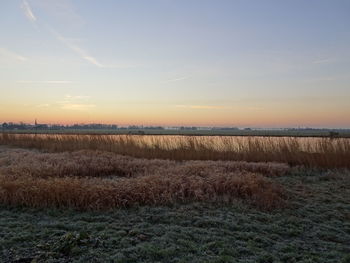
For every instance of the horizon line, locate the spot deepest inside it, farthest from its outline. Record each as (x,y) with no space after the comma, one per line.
(140,126)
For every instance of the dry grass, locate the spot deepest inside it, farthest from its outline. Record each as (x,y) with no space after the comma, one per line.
(92,193)
(92,171)
(312,152)
(87,163)
(102,180)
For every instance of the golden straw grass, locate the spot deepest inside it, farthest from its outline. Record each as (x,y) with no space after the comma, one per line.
(313,152)
(104,180)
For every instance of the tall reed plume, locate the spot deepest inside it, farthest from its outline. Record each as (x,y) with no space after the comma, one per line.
(313,152)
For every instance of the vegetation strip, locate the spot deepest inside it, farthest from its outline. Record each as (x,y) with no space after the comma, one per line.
(99,180)
(311,152)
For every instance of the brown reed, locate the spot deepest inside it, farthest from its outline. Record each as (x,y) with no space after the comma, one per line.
(96,193)
(311,152)
(103,180)
(87,163)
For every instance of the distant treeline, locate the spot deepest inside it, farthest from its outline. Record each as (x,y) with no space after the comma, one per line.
(140,129)
(98,126)
(24,126)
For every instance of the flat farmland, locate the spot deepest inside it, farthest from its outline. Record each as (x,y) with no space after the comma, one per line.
(133,198)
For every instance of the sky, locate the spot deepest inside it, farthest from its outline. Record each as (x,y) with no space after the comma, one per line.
(239,63)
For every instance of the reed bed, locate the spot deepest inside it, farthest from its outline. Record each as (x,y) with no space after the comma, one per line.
(311,152)
(104,180)
(87,163)
(95,193)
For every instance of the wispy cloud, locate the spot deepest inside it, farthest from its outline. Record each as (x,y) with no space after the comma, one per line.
(322,79)
(70,97)
(77,107)
(323,61)
(203,107)
(82,53)
(64,9)
(11,55)
(28,11)
(43,105)
(93,60)
(78,50)
(44,81)
(76,103)
(175,79)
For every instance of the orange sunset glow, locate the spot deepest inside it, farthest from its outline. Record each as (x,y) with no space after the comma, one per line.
(63,64)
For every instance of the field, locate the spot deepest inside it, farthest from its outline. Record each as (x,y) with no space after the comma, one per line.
(127,198)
